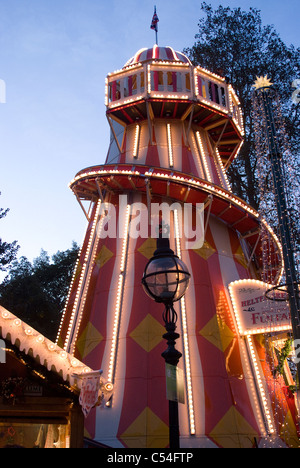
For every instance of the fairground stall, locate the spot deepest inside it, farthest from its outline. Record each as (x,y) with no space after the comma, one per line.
(44,391)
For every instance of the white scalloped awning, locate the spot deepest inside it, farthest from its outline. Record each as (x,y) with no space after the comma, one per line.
(44,351)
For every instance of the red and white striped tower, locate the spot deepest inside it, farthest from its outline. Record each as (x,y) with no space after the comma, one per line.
(175,129)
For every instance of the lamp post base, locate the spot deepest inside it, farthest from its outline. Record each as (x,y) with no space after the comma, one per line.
(174,425)
(171,356)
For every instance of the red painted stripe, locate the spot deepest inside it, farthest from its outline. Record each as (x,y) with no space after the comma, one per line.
(170,53)
(149,54)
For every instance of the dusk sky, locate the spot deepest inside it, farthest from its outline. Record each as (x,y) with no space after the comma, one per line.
(54,57)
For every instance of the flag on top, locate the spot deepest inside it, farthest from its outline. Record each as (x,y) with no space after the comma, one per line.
(155,20)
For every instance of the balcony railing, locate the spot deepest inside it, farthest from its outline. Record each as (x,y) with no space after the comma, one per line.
(169,80)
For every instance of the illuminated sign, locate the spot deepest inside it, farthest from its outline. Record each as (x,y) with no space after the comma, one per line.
(255,313)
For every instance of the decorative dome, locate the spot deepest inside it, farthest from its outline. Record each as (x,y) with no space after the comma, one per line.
(157,53)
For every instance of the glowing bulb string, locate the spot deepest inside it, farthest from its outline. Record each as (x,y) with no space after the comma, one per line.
(119,297)
(280,190)
(270,187)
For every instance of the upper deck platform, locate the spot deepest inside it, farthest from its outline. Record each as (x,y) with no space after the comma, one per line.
(161,83)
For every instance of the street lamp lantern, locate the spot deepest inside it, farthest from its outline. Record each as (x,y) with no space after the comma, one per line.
(166,277)
(165,280)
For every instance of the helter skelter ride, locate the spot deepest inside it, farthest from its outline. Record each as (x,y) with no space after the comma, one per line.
(175,129)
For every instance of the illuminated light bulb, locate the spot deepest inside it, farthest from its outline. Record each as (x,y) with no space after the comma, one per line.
(108,387)
(51,347)
(5,314)
(75,363)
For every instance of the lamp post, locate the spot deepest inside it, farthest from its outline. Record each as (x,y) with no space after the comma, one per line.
(265,95)
(165,280)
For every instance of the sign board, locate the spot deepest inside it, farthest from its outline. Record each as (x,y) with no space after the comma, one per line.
(89,393)
(175,383)
(2,352)
(255,313)
(32,389)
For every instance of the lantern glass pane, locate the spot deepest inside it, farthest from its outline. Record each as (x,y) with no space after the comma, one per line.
(167,279)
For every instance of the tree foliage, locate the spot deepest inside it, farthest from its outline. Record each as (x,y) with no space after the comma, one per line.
(8,251)
(236,43)
(36,292)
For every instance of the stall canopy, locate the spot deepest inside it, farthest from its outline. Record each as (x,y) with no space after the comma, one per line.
(40,385)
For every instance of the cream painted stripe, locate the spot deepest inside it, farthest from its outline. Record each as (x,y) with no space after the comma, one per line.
(204,157)
(196,155)
(195,419)
(185,337)
(170,145)
(136,141)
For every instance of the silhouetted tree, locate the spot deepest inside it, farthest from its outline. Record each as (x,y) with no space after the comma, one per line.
(235,43)
(36,292)
(8,251)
